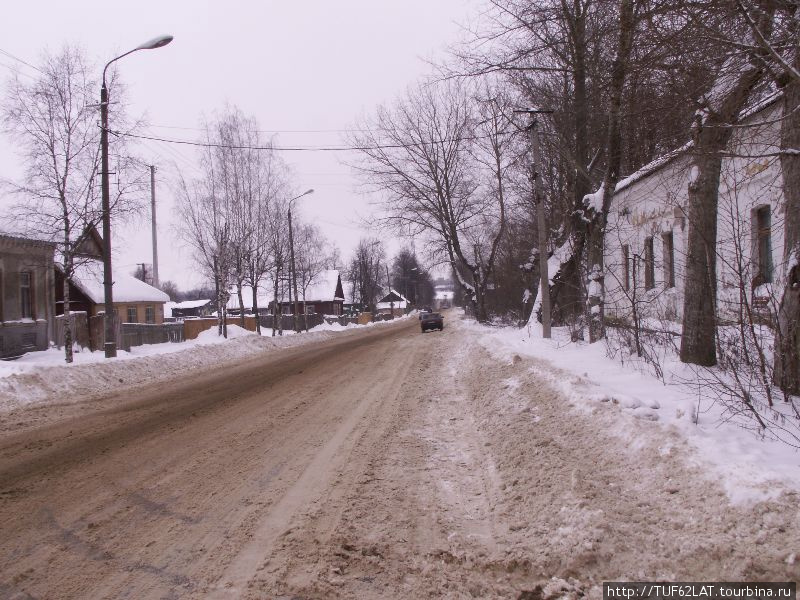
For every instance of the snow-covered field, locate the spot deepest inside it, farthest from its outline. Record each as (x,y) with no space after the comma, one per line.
(749,467)
(43,377)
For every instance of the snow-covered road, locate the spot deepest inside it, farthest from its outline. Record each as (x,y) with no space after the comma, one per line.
(375,464)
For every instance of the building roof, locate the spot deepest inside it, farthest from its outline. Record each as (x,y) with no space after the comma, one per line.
(393,296)
(662,161)
(25,240)
(393,299)
(189,304)
(326,287)
(88,277)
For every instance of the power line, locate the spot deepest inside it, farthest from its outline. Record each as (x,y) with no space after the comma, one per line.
(267,130)
(18,59)
(298,148)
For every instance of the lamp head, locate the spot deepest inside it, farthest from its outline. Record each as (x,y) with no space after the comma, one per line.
(156,42)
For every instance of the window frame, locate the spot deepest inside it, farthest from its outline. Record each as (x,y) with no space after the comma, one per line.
(135,310)
(668,250)
(762,226)
(29,295)
(626,267)
(150,314)
(649,264)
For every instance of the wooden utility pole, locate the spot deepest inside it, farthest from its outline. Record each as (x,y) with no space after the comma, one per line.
(153,223)
(538,197)
(389,285)
(293,274)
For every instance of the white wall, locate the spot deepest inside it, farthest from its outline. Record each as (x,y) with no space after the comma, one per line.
(657,203)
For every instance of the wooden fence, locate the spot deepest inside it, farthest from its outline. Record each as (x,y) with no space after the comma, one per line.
(138,334)
(79,326)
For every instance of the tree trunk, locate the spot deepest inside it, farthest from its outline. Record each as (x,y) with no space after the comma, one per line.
(786,373)
(277,313)
(255,308)
(305,312)
(566,295)
(597,227)
(711,136)
(241,303)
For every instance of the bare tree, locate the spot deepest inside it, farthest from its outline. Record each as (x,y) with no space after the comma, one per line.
(366,267)
(418,155)
(599,211)
(712,131)
(781,54)
(53,119)
(312,254)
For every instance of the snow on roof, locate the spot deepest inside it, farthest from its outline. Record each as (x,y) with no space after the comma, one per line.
(88,276)
(667,158)
(323,287)
(189,304)
(394,295)
(652,167)
(264,298)
(26,238)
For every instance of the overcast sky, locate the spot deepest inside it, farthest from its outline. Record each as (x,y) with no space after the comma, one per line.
(305,69)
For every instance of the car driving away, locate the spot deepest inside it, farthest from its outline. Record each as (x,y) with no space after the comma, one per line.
(430,321)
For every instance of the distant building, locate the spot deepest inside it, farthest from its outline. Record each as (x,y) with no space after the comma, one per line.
(443,293)
(393,300)
(323,296)
(189,308)
(26,295)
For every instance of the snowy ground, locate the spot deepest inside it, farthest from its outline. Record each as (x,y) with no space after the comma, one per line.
(41,377)
(749,467)
(386,464)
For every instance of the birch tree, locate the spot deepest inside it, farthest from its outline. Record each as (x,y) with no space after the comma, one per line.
(53,120)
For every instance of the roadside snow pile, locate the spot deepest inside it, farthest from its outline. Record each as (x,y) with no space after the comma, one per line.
(749,468)
(42,377)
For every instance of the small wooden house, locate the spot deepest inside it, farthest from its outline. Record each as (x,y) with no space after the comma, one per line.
(393,301)
(134,300)
(324,295)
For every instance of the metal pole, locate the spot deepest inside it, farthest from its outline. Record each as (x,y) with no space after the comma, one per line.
(110,344)
(294,274)
(216,291)
(544,276)
(153,222)
(389,285)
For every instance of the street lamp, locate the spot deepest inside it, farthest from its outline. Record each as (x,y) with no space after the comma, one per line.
(291,250)
(110,337)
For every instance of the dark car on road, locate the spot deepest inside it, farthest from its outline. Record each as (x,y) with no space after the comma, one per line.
(431,321)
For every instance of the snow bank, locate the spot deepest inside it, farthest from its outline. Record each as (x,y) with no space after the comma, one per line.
(44,377)
(749,468)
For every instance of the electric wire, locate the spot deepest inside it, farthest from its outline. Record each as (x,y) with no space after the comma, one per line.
(300,148)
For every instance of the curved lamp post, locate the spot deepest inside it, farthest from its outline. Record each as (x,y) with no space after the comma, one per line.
(291,251)
(110,338)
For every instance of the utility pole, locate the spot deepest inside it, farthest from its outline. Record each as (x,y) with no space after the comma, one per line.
(389,285)
(538,196)
(294,273)
(110,343)
(153,223)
